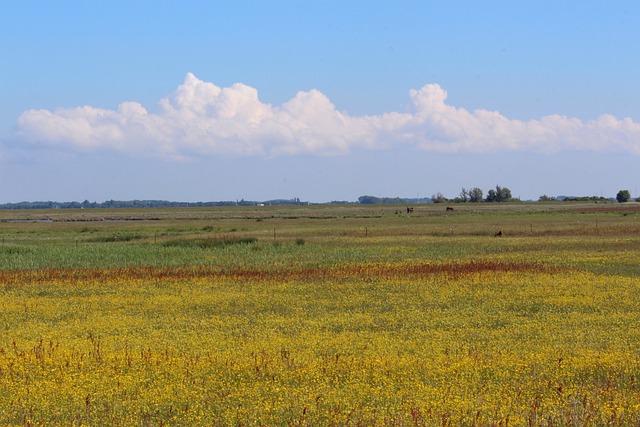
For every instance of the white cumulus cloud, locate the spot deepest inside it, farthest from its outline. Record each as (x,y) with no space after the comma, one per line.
(200,118)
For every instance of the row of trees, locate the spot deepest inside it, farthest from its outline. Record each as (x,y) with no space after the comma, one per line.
(472,195)
(475,195)
(373,200)
(503,194)
(622,197)
(145,204)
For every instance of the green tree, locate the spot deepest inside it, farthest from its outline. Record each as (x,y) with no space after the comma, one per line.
(500,194)
(475,195)
(439,198)
(623,196)
(464,195)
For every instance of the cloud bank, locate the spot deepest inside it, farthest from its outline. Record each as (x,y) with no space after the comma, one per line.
(201,119)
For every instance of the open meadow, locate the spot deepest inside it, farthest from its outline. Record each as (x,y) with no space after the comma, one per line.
(328,315)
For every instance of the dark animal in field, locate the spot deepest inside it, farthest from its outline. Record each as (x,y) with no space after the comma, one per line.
(449,208)
(499,233)
(409,210)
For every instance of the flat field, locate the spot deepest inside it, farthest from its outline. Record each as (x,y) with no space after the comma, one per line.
(322,316)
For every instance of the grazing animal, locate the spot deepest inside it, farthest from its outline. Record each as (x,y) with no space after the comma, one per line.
(449,208)
(499,233)
(409,209)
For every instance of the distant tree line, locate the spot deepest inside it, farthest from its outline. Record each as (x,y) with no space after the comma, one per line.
(372,200)
(574,199)
(144,204)
(503,194)
(475,194)
(471,195)
(109,204)
(622,196)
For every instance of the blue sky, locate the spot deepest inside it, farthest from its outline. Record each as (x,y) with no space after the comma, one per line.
(326,100)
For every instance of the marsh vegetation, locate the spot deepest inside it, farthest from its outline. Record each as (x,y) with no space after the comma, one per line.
(321,315)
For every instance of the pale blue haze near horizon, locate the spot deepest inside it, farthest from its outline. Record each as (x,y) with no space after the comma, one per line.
(325,100)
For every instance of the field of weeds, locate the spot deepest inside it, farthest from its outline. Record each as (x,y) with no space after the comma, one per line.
(321,315)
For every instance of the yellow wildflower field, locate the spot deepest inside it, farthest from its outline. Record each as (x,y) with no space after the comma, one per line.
(520,332)
(381,344)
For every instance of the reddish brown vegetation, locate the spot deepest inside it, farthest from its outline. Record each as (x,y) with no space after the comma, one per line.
(612,208)
(17,277)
